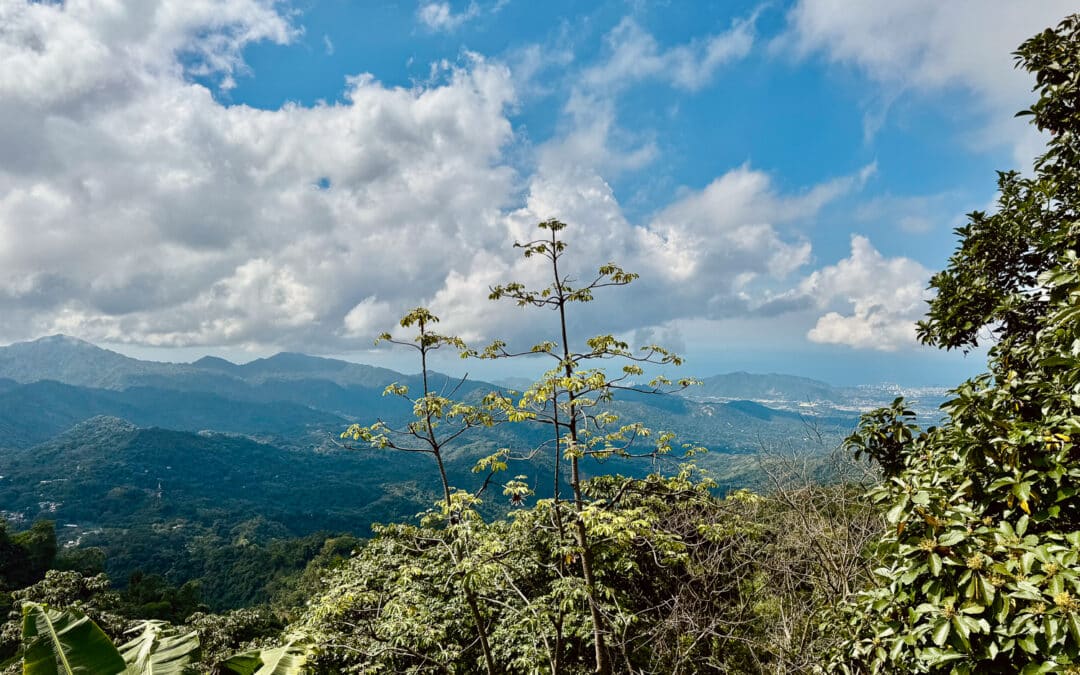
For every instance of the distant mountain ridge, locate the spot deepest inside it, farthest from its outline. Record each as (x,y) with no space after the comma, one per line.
(72,361)
(763,387)
(35,412)
(77,362)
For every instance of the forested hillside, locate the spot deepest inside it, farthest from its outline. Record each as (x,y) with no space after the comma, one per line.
(147,461)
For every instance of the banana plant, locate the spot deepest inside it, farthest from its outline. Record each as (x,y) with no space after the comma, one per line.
(65,642)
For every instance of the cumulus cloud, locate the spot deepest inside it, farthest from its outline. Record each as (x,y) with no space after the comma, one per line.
(712,253)
(137,208)
(914,214)
(882,297)
(440,16)
(634,55)
(155,214)
(927,47)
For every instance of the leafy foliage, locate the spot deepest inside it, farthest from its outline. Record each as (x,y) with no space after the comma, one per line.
(67,642)
(979,570)
(26,556)
(571,398)
(650,574)
(687,581)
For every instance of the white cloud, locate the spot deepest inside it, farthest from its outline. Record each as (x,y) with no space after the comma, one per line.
(883,298)
(156,215)
(914,214)
(928,47)
(634,55)
(53,53)
(440,16)
(590,137)
(136,208)
(712,253)
(370,317)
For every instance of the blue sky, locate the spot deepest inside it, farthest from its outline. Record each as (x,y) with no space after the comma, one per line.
(240,177)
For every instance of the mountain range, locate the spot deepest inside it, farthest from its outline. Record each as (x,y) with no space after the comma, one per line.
(104,443)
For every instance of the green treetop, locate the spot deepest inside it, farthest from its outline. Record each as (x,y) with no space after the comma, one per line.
(980,571)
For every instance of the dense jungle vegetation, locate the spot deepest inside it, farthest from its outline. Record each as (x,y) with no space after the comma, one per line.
(954,549)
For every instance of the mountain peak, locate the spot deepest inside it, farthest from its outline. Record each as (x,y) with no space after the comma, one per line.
(100,424)
(65,359)
(215,363)
(65,340)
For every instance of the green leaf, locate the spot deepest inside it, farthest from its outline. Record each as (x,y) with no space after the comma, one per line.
(897,512)
(952,537)
(288,659)
(986,589)
(160,650)
(940,632)
(1028,644)
(65,642)
(961,630)
(935,564)
(1050,628)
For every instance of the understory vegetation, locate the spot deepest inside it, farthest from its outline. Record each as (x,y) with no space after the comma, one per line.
(948,549)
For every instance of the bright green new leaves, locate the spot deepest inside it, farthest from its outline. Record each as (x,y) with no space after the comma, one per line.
(438,422)
(570,399)
(65,642)
(425,339)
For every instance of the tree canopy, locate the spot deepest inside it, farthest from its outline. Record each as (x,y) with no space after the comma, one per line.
(979,569)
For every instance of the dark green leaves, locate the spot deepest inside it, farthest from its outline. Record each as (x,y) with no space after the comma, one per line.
(980,571)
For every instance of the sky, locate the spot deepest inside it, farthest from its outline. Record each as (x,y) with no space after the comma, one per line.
(241,177)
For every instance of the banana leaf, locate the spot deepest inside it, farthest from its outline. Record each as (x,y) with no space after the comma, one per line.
(65,642)
(160,650)
(288,659)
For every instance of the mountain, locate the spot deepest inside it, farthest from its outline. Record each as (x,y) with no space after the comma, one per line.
(152,499)
(108,471)
(73,361)
(33,413)
(288,365)
(755,387)
(297,401)
(159,463)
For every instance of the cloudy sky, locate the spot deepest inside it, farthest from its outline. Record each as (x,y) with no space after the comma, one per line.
(239,177)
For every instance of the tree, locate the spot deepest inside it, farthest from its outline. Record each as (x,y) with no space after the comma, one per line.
(29,554)
(570,396)
(979,569)
(555,587)
(439,421)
